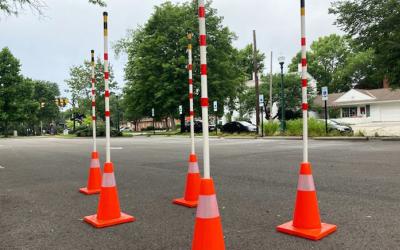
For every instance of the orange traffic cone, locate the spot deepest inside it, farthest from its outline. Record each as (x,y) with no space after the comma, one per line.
(208,233)
(108,211)
(192,188)
(94,180)
(306,222)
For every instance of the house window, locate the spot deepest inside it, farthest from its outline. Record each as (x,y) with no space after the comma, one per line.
(349,112)
(362,111)
(368,110)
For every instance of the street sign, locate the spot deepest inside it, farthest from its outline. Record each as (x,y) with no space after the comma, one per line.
(152,112)
(261,100)
(324,92)
(180,109)
(215,106)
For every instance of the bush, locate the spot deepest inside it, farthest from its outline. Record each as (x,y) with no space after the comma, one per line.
(271,128)
(295,127)
(86,131)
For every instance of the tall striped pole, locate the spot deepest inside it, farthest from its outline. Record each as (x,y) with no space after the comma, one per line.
(208,233)
(107,88)
(204,91)
(191,109)
(192,188)
(304,82)
(94,180)
(108,210)
(93,103)
(306,221)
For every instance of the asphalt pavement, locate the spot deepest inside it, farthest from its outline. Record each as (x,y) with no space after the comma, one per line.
(358,184)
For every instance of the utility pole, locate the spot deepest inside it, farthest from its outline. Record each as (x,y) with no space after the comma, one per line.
(270,91)
(255,65)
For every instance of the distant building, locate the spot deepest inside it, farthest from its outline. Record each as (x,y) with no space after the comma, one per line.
(365,106)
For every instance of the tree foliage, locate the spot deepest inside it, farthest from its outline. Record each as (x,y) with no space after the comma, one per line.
(80,86)
(292,92)
(21,99)
(156,71)
(375,27)
(335,61)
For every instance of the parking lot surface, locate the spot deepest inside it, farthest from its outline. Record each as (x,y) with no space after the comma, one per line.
(358,186)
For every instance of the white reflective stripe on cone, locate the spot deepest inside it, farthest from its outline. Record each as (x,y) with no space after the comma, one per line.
(193,168)
(108,180)
(208,207)
(95,163)
(306,183)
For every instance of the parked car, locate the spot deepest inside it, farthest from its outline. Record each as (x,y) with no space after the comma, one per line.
(334,125)
(198,126)
(238,127)
(125,129)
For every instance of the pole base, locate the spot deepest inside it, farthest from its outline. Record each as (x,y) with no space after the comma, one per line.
(89,192)
(185,203)
(92,219)
(312,234)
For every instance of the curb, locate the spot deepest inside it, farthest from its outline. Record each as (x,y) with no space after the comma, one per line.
(336,138)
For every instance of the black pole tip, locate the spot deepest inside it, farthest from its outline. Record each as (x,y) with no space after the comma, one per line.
(105,13)
(92,51)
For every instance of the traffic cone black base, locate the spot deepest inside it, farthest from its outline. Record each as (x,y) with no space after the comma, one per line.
(94,221)
(312,234)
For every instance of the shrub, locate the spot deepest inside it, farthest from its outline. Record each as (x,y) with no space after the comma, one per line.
(271,128)
(295,127)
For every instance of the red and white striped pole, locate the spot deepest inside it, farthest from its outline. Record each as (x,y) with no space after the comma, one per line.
(204,91)
(94,180)
(191,109)
(192,188)
(306,221)
(107,88)
(208,233)
(108,210)
(93,102)
(304,81)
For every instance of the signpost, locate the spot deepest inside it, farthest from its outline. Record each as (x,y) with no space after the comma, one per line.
(324,92)
(181,118)
(215,104)
(261,101)
(154,125)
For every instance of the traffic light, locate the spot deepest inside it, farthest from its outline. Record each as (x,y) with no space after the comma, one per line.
(64,102)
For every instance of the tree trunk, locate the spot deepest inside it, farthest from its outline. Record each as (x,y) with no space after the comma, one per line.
(166,123)
(173,125)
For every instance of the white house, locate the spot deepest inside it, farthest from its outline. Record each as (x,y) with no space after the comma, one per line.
(366,106)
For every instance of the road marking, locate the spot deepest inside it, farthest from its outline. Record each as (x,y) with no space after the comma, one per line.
(116,148)
(1,167)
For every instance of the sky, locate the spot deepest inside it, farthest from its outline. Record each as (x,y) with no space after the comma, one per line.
(48,46)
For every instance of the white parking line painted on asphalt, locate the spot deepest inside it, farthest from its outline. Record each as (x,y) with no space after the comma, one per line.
(116,148)
(1,167)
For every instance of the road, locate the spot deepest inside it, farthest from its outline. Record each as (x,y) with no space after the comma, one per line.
(358,187)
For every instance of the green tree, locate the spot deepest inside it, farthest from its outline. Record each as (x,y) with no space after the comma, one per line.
(13,7)
(246,56)
(80,86)
(335,61)
(16,102)
(374,25)
(292,91)
(45,94)
(156,70)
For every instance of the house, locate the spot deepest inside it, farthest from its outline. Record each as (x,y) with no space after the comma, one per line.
(358,106)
